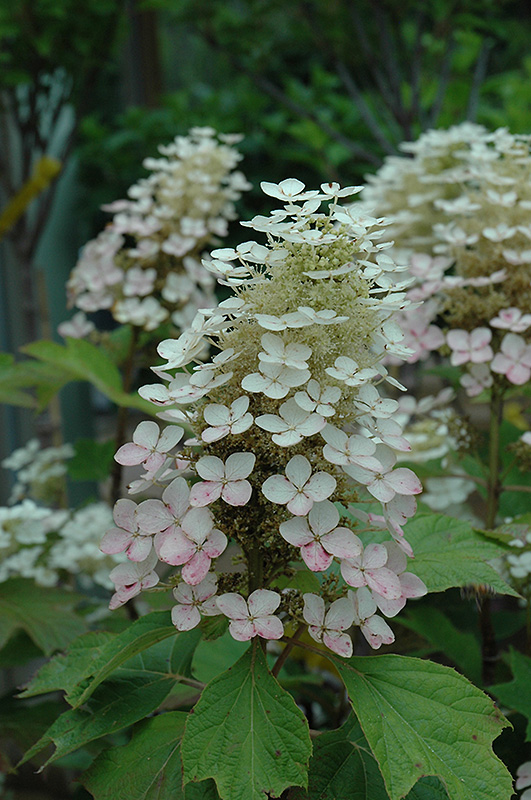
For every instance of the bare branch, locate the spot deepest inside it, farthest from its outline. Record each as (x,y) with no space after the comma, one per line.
(363,108)
(416,70)
(371,58)
(478,78)
(446,71)
(273,91)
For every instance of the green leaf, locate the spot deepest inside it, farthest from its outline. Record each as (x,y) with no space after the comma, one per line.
(449,552)
(423,719)
(140,635)
(44,614)
(92,461)
(342,767)
(216,656)
(66,670)
(148,767)
(516,694)
(462,648)
(10,391)
(134,690)
(247,733)
(83,361)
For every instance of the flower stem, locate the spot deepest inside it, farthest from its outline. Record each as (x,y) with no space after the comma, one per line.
(123,413)
(281,660)
(489,648)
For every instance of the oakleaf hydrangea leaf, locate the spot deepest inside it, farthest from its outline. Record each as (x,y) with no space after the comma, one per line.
(423,719)
(515,694)
(148,767)
(247,733)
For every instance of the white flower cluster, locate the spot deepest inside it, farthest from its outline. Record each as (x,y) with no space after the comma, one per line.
(43,544)
(37,540)
(291,430)
(145,266)
(460,210)
(39,472)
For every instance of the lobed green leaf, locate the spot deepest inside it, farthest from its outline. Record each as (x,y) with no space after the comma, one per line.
(247,733)
(422,719)
(46,615)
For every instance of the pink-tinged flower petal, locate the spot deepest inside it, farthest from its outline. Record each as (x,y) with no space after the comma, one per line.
(340,615)
(146,434)
(130,454)
(195,570)
(239,466)
(298,470)
(518,374)
(390,608)
(197,524)
(269,627)
(412,586)
(210,468)
(124,514)
(153,516)
(215,544)
(300,505)
(242,630)
(210,607)
(237,493)
(296,531)
(185,617)
(314,610)
(154,461)
(339,643)
(140,548)
(210,435)
(122,596)
(184,594)
(320,486)
(233,606)
(342,543)
(375,556)
(377,632)
(115,541)
(176,496)
(173,547)
(404,481)
(278,489)
(380,489)
(352,574)
(323,517)
(204,493)
(263,602)
(205,589)
(384,582)
(315,557)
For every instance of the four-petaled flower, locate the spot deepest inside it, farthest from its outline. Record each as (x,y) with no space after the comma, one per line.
(298,488)
(329,628)
(274,380)
(319,538)
(126,536)
(467,347)
(194,601)
(223,420)
(225,480)
(254,617)
(149,446)
(290,355)
(374,628)
(292,425)
(319,400)
(368,569)
(347,370)
(385,482)
(514,360)
(131,578)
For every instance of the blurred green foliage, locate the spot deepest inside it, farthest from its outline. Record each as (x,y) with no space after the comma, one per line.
(321,90)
